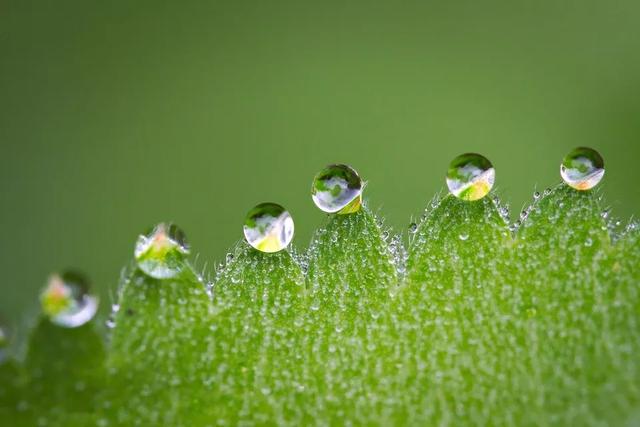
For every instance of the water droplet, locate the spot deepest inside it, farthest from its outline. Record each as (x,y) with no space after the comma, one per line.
(536,195)
(66,300)
(413,227)
(463,236)
(470,176)
(161,251)
(582,168)
(605,213)
(4,340)
(229,258)
(337,189)
(268,227)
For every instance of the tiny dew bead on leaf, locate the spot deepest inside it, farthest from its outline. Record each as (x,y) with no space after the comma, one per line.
(66,300)
(470,176)
(268,227)
(337,189)
(161,251)
(582,168)
(4,336)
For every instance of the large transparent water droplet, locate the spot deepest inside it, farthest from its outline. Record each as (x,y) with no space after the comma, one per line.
(66,300)
(337,189)
(470,176)
(582,168)
(268,227)
(160,252)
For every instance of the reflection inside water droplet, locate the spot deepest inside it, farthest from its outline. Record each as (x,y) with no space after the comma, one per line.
(470,176)
(582,168)
(66,300)
(160,252)
(4,338)
(268,227)
(337,189)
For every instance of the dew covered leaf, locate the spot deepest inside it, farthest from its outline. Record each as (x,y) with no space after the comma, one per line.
(159,351)
(11,392)
(484,324)
(351,277)
(65,371)
(256,363)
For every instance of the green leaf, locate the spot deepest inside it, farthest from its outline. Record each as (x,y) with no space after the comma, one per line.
(485,324)
(12,400)
(256,366)
(65,371)
(158,356)
(351,275)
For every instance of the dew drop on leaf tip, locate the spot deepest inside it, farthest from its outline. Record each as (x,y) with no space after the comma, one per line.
(66,300)
(582,168)
(4,339)
(337,189)
(268,227)
(470,176)
(161,251)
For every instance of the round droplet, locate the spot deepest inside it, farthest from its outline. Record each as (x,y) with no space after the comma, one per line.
(582,168)
(337,189)
(4,337)
(4,341)
(66,300)
(160,252)
(268,227)
(470,176)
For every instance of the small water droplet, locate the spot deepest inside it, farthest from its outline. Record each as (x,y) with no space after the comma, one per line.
(605,213)
(66,300)
(470,176)
(229,257)
(161,251)
(413,227)
(337,189)
(268,227)
(463,236)
(582,168)
(536,195)
(4,340)
(588,242)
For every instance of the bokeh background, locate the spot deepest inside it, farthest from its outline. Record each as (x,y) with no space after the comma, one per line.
(116,115)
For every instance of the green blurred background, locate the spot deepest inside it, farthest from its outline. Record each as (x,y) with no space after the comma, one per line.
(116,115)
